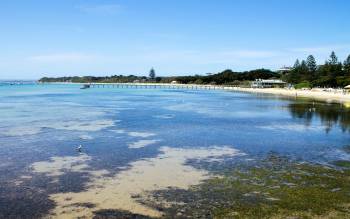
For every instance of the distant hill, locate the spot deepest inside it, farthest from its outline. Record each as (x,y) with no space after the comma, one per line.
(224,77)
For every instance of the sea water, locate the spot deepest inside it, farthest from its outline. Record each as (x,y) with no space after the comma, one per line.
(131,138)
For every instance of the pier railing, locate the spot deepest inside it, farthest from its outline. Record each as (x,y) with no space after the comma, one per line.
(160,86)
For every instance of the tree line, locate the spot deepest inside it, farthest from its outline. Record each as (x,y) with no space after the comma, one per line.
(226,77)
(304,73)
(308,73)
(94,79)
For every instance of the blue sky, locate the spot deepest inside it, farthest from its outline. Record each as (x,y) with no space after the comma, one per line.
(96,37)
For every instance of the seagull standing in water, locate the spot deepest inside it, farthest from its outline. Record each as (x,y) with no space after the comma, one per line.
(79,148)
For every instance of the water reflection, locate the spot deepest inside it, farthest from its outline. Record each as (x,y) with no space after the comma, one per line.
(329,114)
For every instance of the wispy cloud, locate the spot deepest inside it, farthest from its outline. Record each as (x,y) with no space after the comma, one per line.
(101,9)
(176,60)
(62,57)
(250,54)
(197,57)
(321,49)
(192,57)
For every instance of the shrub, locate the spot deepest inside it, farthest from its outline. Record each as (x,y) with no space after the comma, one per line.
(304,84)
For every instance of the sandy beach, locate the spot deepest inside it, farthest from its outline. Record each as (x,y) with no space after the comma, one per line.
(319,94)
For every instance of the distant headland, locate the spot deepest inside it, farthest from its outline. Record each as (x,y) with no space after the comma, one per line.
(304,74)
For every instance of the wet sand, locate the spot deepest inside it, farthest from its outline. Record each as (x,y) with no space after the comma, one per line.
(142,143)
(122,190)
(58,165)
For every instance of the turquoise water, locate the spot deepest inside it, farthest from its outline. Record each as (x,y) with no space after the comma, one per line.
(119,126)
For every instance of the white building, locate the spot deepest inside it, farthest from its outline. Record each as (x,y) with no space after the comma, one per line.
(284,69)
(261,83)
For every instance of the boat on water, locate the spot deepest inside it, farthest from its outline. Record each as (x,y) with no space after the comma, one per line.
(86,86)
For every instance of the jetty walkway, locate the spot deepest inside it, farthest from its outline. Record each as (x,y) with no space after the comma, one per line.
(159,86)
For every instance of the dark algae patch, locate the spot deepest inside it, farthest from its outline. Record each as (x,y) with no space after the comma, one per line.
(114,214)
(23,202)
(342,163)
(276,188)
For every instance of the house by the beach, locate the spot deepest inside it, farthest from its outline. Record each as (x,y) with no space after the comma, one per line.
(284,69)
(347,89)
(262,83)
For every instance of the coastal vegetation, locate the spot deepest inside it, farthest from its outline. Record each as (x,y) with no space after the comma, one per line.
(225,77)
(152,74)
(273,188)
(308,73)
(304,74)
(93,79)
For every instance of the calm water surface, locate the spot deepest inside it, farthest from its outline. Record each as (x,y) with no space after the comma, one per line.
(42,125)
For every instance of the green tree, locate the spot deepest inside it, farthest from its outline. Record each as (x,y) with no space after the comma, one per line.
(347,66)
(303,67)
(294,75)
(152,74)
(303,72)
(311,63)
(198,81)
(335,67)
(329,72)
(296,64)
(333,59)
(312,68)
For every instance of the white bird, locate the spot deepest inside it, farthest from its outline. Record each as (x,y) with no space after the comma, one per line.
(79,148)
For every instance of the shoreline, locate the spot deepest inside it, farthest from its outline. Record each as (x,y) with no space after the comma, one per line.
(316,93)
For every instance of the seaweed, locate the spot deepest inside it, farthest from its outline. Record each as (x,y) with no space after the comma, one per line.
(113,213)
(278,188)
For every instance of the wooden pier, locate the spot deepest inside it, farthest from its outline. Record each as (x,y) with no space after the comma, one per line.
(159,86)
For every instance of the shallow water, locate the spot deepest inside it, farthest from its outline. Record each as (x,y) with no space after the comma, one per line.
(127,132)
